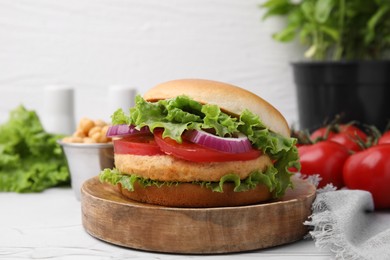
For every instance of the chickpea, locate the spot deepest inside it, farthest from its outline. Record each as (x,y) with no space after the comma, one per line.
(72,139)
(89,131)
(104,139)
(85,125)
(89,140)
(67,139)
(93,130)
(100,122)
(105,129)
(97,137)
(104,133)
(79,133)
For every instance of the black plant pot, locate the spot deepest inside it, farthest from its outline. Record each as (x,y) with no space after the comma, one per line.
(354,90)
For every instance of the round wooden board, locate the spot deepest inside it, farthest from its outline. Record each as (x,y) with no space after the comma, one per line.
(108,216)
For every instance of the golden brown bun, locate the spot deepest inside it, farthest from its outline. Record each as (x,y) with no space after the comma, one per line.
(169,168)
(229,98)
(193,195)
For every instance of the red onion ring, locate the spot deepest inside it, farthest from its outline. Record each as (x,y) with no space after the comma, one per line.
(124,130)
(239,144)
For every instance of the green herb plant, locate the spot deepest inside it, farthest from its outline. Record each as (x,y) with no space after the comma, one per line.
(335,29)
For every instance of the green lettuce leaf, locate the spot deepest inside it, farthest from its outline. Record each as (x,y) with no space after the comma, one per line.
(281,149)
(255,178)
(30,158)
(177,115)
(114,176)
(183,113)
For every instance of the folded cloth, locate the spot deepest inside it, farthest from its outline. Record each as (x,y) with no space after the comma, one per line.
(344,222)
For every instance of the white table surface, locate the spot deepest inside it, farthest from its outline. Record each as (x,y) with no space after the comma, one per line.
(48,225)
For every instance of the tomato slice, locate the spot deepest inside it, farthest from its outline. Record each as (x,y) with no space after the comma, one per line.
(137,144)
(196,153)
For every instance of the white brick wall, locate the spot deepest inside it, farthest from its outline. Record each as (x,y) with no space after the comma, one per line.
(93,44)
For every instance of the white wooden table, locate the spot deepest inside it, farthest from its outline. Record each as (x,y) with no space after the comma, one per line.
(48,225)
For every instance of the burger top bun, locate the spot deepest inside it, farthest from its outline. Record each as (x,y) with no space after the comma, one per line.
(229,98)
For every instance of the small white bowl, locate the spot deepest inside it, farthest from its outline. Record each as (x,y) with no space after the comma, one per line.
(86,161)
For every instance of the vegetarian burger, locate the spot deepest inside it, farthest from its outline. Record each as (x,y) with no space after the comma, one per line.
(201,143)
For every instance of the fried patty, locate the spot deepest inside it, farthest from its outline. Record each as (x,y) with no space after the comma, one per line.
(169,168)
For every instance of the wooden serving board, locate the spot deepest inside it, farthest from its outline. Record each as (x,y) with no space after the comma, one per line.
(108,216)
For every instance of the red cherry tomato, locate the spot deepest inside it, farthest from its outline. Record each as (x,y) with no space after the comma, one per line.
(196,153)
(385,138)
(370,170)
(352,130)
(137,144)
(347,140)
(326,159)
(321,134)
(345,134)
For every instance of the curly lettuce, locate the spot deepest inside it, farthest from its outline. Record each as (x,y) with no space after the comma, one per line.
(30,158)
(114,177)
(182,113)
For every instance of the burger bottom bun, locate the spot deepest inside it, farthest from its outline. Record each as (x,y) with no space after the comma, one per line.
(188,195)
